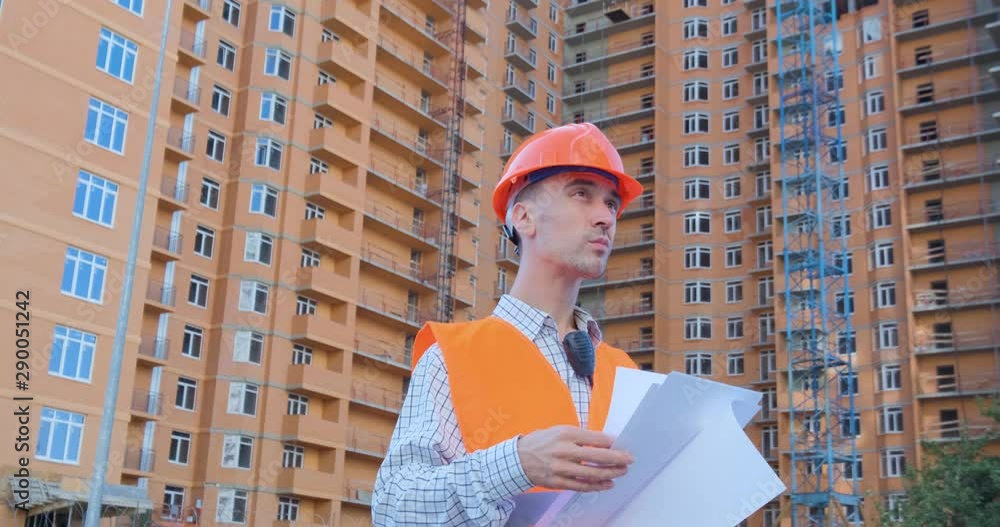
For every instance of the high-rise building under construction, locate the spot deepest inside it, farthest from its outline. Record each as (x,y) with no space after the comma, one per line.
(362,139)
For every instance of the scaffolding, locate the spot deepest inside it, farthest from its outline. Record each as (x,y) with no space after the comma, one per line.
(822,423)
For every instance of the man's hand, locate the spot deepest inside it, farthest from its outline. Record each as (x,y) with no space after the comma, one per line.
(563,458)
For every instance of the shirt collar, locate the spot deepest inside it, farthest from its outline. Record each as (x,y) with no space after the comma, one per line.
(532,319)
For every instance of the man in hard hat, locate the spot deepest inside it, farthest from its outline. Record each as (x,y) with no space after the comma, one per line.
(514,403)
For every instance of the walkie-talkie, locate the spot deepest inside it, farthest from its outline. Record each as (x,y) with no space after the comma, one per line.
(580,351)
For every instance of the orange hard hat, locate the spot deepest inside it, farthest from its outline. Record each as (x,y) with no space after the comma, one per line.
(572,147)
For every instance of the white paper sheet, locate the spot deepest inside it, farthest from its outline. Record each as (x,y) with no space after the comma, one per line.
(694,463)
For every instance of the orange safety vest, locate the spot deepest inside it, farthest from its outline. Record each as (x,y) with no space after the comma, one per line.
(502,386)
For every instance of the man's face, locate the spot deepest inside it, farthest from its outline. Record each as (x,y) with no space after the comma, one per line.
(577,217)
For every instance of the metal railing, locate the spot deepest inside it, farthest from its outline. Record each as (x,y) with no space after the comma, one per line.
(192,44)
(159,292)
(619,309)
(366,441)
(953,211)
(384,350)
(167,239)
(947,171)
(169,187)
(601,22)
(394,308)
(950,131)
(955,253)
(147,402)
(929,299)
(944,91)
(383,258)
(391,128)
(904,17)
(408,14)
(154,347)
(613,80)
(599,114)
(985,381)
(141,459)
(409,56)
(187,90)
(401,175)
(376,395)
(630,345)
(180,140)
(410,96)
(956,340)
(945,52)
(394,219)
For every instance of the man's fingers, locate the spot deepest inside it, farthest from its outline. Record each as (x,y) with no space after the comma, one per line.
(588,438)
(578,471)
(580,485)
(602,456)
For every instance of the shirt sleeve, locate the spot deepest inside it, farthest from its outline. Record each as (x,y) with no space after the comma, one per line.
(427,478)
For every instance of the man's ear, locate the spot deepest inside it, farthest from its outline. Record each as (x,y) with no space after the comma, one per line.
(523,218)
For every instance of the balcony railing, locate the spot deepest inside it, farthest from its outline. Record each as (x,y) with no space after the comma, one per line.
(358,491)
(521,118)
(955,253)
(158,292)
(382,258)
(953,13)
(409,95)
(402,175)
(600,114)
(613,80)
(947,171)
(632,139)
(634,345)
(950,132)
(391,128)
(376,395)
(365,441)
(945,91)
(603,22)
(954,211)
(945,52)
(628,238)
(397,221)
(931,299)
(394,308)
(978,382)
(140,459)
(382,350)
(409,15)
(170,188)
(154,348)
(147,402)
(167,240)
(410,56)
(956,341)
(188,91)
(192,44)
(938,430)
(604,53)
(611,309)
(180,140)
(621,275)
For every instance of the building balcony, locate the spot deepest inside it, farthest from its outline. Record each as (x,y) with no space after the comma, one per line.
(335,146)
(198,10)
(929,300)
(306,482)
(639,344)
(185,97)
(953,214)
(527,4)
(646,204)
(639,238)
(326,235)
(434,79)
(500,289)
(383,352)
(505,254)
(332,192)
(346,15)
(154,350)
(603,88)
(411,272)
(951,134)
(408,316)
(944,56)
(147,405)
(167,243)
(476,30)
(340,102)
(616,115)
(941,431)
(944,19)
(191,51)
(413,230)
(956,342)
(758,98)
(614,21)
(407,99)
(519,121)
(416,28)
(948,173)
(476,62)
(575,8)
(313,430)
(173,193)
(953,255)
(321,331)
(521,57)
(958,385)
(139,462)
(640,172)
(321,283)
(520,89)
(631,142)
(522,24)
(343,60)
(623,310)
(756,32)
(180,145)
(401,177)
(376,397)
(612,54)
(366,443)
(404,142)
(620,277)
(357,492)
(160,296)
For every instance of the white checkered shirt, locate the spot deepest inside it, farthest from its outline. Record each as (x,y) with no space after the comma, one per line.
(427,477)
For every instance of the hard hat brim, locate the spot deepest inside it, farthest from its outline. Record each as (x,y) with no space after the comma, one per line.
(628,187)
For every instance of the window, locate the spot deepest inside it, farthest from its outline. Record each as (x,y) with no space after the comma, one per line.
(731,187)
(231,506)
(695,28)
(835,81)
(95,199)
(305,306)
(730,57)
(248,347)
(695,59)
(850,426)
(314,212)
(758,19)
(847,344)
(309,258)
(551,73)
(553,12)
(698,364)
(697,188)
(760,84)
(695,3)
(870,66)
(761,148)
(882,255)
(288,508)
(835,117)
(764,218)
(890,377)
(765,327)
(731,121)
(840,189)
(116,55)
(552,42)
(263,200)
(881,215)
(765,290)
(892,419)
(186,391)
(83,275)
(135,6)
(871,30)
(226,56)
(258,248)
(888,335)
(193,339)
(180,447)
(215,146)
(325,78)
(758,51)
(763,184)
(696,156)
(106,126)
(734,256)
(695,123)
(173,503)
(761,118)
(253,296)
(282,20)
(221,99)
(697,258)
(730,89)
(893,463)
(733,221)
(301,354)
(925,93)
(273,108)
(875,102)
(268,153)
(877,140)
(848,384)
(844,303)
(695,91)
(878,177)
(697,328)
(209,193)
(894,503)
(734,363)
(242,398)
(884,294)
(729,25)
(204,241)
(550,103)
(731,154)
(298,404)
(317,166)
(72,354)
(734,328)
(236,451)
(840,225)
(198,291)
(277,63)
(59,436)
(697,293)
(231,12)
(292,456)
(734,292)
